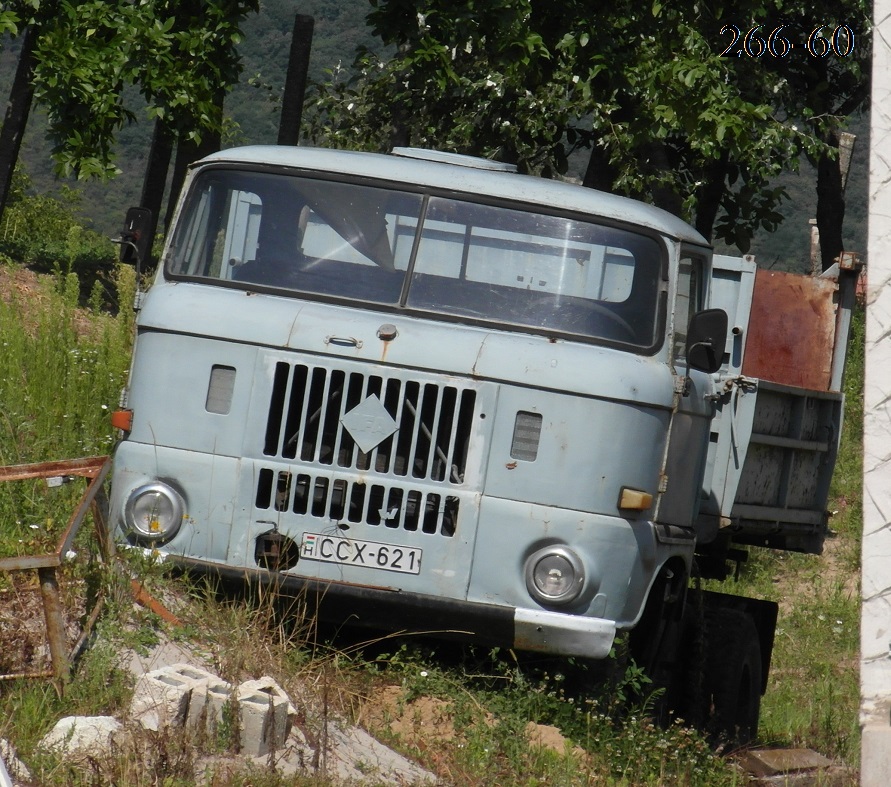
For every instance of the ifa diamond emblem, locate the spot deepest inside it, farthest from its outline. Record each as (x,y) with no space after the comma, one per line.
(369,424)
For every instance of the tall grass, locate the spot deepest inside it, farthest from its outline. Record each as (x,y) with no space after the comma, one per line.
(61,372)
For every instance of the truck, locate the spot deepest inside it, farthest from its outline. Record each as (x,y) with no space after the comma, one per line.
(436,395)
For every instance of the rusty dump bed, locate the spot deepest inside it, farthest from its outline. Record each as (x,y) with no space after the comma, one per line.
(791,333)
(775,434)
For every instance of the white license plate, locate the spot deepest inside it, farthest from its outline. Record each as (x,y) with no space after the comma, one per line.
(369,554)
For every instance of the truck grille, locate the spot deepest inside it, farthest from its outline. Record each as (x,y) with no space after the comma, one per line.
(341,500)
(431,424)
(414,433)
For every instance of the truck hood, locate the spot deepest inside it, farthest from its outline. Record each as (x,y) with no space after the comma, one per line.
(446,347)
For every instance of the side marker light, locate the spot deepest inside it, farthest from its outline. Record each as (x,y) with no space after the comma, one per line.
(122,419)
(634,500)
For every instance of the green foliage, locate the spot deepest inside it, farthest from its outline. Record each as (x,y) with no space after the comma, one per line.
(61,372)
(46,233)
(181,54)
(666,118)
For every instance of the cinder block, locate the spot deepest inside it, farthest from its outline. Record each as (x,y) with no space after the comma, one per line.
(208,706)
(265,712)
(161,697)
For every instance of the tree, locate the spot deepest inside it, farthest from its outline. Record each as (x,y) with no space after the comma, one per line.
(643,88)
(823,90)
(180,54)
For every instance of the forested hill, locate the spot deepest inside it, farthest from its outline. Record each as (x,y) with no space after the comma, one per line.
(253,108)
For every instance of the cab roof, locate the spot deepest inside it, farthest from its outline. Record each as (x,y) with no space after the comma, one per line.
(461,174)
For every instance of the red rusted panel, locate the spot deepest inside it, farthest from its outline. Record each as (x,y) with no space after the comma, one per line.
(791,330)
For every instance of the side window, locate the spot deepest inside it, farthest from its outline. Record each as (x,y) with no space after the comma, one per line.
(688,300)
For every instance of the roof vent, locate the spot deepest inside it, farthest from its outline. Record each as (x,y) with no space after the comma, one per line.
(457,159)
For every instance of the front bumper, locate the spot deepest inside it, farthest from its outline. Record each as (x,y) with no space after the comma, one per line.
(414,613)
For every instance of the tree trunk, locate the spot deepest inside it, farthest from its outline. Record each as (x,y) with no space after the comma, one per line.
(156,176)
(708,196)
(830,205)
(17,110)
(186,153)
(295,82)
(655,159)
(600,174)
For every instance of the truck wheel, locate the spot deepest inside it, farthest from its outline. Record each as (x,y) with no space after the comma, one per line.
(732,676)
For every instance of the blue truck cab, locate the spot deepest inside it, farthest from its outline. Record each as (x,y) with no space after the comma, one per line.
(442,396)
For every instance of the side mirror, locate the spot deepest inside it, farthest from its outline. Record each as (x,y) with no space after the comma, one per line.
(136,240)
(706,338)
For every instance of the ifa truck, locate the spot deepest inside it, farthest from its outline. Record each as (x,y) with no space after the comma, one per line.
(440,396)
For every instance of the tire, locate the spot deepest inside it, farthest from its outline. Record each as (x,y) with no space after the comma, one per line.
(658,645)
(732,677)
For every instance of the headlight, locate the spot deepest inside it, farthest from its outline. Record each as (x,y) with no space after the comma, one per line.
(555,575)
(154,512)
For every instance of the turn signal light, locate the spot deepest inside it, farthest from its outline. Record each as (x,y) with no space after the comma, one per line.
(122,419)
(635,500)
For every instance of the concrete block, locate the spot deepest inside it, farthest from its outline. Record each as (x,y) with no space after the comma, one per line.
(161,697)
(265,712)
(208,707)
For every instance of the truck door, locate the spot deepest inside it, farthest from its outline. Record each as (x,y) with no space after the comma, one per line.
(688,439)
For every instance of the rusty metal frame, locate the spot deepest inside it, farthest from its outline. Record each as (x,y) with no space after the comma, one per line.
(94,470)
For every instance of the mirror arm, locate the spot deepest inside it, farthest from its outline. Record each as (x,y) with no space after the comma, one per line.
(685,390)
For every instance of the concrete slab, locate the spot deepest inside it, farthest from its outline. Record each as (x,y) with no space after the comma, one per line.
(875,756)
(16,770)
(775,762)
(355,756)
(164,654)
(82,736)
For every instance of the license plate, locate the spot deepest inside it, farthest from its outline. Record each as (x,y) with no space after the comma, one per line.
(368,554)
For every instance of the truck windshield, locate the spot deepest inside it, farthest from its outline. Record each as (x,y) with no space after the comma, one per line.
(511,266)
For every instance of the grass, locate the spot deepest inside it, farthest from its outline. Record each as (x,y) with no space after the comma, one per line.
(472,717)
(61,373)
